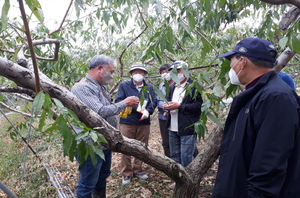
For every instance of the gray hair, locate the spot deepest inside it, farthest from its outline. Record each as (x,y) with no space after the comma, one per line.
(101,60)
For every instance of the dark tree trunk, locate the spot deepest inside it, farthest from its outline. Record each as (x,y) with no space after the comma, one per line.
(186,190)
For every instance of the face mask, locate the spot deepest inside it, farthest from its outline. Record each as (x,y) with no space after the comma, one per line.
(163,76)
(234,79)
(138,77)
(168,77)
(107,79)
(181,77)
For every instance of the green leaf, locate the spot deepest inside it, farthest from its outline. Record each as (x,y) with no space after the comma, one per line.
(222,3)
(186,71)
(93,155)
(101,138)
(61,107)
(52,128)
(82,135)
(207,5)
(4,17)
(38,103)
(174,76)
(232,88)
(214,119)
(200,129)
(78,4)
(72,151)
(159,94)
(42,121)
(36,9)
(82,150)
(217,91)
(295,44)
(94,136)
(205,105)
(283,41)
(73,115)
(191,19)
(99,152)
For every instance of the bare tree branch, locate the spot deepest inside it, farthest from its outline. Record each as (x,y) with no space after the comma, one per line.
(29,99)
(62,22)
(56,42)
(123,52)
(20,90)
(280,2)
(37,78)
(14,110)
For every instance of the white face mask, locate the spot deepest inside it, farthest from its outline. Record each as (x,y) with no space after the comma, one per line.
(163,76)
(181,77)
(138,77)
(234,79)
(166,76)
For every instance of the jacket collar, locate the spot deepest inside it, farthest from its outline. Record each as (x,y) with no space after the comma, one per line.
(243,98)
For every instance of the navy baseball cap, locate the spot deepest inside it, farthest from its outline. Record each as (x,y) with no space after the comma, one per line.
(254,47)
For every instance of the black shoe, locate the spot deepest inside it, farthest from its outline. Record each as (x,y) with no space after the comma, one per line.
(100,192)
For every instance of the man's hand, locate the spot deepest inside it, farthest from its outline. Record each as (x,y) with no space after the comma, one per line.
(171,106)
(131,101)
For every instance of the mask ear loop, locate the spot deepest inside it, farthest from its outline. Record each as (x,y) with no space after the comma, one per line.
(241,67)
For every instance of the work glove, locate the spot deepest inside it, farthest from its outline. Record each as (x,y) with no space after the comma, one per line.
(145,114)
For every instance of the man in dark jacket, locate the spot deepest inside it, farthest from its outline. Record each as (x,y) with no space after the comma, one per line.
(185,110)
(261,143)
(137,124)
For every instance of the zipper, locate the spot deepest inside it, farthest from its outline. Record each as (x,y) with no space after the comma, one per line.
(234,132)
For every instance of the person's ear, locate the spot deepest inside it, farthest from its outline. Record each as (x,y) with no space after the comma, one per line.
(244,60)
(100,67)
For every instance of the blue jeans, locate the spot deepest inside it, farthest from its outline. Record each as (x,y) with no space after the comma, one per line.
(92,177)
(182,147)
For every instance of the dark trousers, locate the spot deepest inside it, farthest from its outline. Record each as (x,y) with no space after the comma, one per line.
(164,136)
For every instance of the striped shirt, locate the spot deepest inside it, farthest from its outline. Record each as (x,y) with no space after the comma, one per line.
(90,92)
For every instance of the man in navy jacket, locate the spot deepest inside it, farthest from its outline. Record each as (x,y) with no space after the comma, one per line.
(137,124)
(261,143)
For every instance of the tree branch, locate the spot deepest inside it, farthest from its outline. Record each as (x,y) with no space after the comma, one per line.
(123,52)
(29,40)
(20,90)
(62,22)
(42,42)
(280,2)
(14,110)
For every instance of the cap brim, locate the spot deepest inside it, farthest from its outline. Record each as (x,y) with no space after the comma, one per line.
(227,55)
(140,68)
(173,67)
